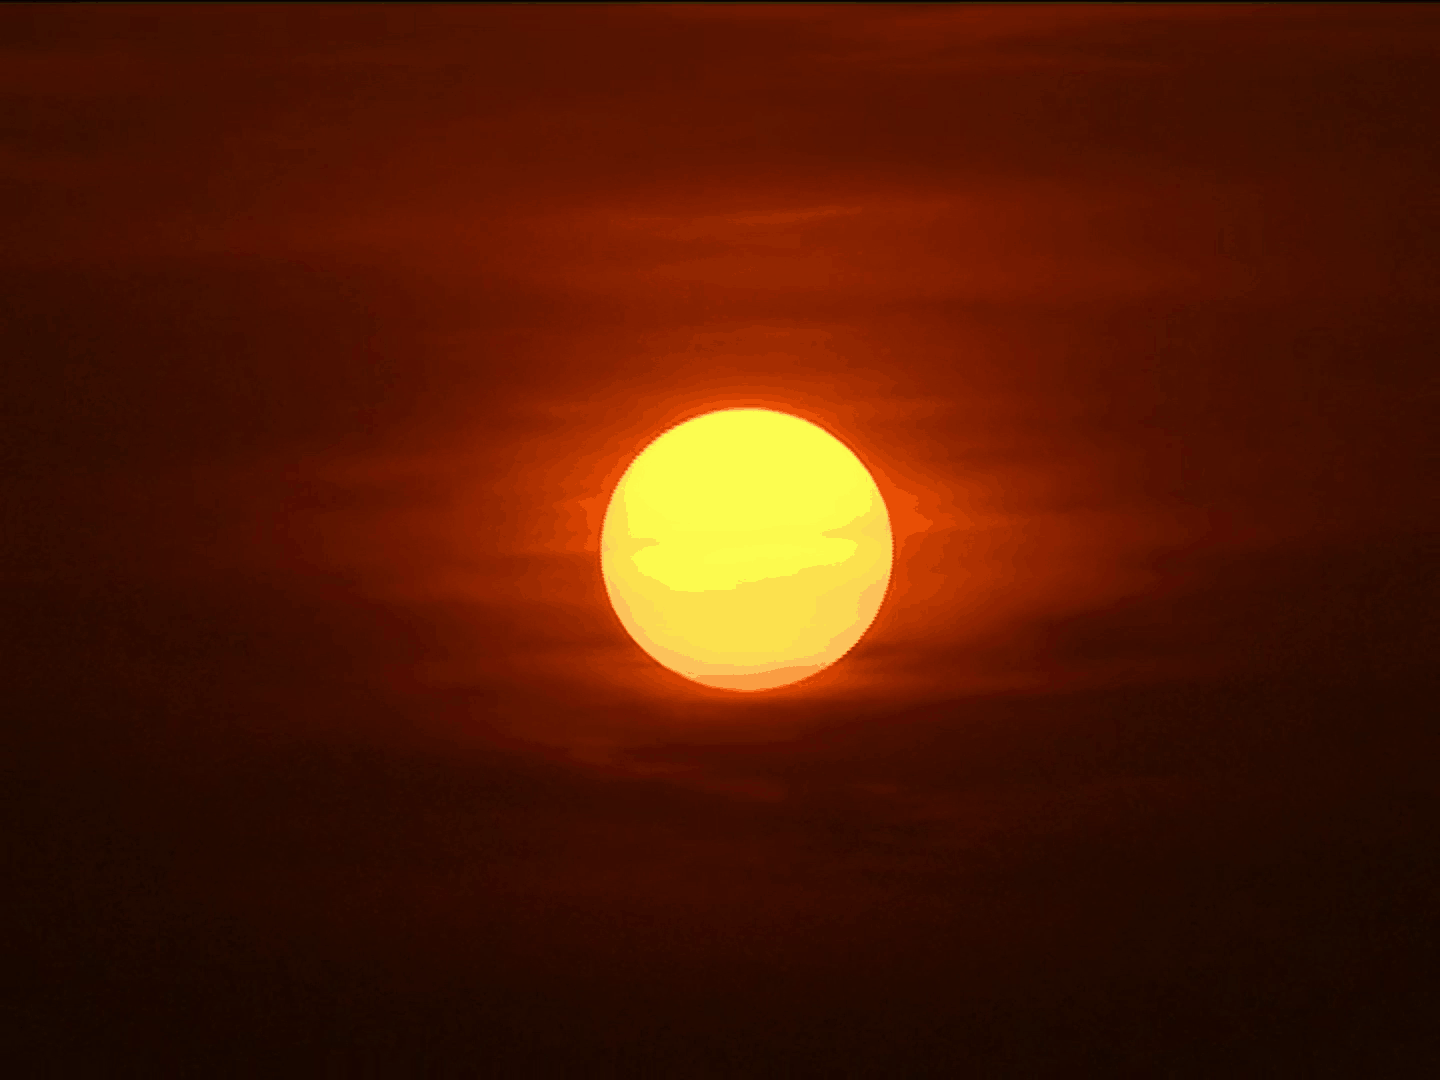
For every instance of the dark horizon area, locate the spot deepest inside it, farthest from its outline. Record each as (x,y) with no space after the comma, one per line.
(329,331)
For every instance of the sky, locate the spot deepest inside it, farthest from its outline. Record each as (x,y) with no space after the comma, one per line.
(329,332)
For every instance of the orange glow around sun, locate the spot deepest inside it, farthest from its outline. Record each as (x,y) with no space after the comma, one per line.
(746,549)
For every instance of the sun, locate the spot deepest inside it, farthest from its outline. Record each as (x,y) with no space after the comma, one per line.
(746,549)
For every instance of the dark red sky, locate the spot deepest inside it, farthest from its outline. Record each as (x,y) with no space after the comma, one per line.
(327,329)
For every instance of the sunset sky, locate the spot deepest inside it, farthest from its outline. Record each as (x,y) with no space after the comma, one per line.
(329,331)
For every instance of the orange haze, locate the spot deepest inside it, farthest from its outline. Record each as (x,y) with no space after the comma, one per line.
(330,333)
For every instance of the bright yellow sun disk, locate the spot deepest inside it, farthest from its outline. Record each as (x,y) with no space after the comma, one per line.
(746,549)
